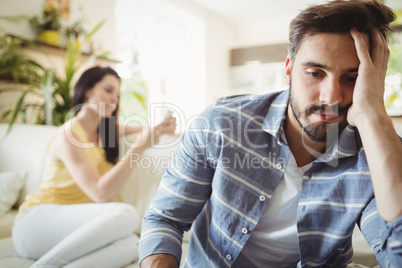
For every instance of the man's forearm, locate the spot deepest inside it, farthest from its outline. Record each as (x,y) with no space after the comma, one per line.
(160,261)
(384,155)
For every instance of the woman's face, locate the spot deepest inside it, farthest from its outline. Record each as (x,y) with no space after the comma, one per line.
(105,95)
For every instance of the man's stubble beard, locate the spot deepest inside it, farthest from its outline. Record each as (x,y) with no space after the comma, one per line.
(318,131)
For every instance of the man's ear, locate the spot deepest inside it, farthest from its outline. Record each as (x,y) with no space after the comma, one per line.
(288,70)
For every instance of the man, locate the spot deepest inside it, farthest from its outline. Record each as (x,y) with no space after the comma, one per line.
(281,180)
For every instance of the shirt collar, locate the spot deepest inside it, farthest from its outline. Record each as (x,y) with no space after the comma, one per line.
(276,116)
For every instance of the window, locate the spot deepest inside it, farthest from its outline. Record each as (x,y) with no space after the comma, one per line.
(393,80)
(164,46)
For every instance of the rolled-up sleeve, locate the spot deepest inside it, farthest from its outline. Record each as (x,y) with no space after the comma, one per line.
(391,240)
(384,238)
(181,195)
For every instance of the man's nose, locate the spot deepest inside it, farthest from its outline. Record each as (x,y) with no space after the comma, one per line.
(331,92)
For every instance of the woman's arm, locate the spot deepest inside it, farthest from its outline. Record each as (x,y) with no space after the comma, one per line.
(127,130)
(98,188)
(105,188)
(167,126)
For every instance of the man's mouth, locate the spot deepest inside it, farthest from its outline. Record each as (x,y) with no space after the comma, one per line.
(328,117)
(328,114)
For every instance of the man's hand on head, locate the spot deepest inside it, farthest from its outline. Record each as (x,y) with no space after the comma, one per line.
(368,100)
(380,141)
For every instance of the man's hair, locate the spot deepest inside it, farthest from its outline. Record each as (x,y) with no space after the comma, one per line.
(338,17)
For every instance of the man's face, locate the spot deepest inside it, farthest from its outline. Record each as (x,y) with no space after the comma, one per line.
(321,81)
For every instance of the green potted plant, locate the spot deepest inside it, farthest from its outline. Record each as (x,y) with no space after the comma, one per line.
(18,72)
(48,26)
(53,90)
(75,31)
(15,65)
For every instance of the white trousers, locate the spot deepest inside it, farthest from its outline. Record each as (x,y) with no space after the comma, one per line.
(82,235)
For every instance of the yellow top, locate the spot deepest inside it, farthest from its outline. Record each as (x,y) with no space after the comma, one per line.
(58,187)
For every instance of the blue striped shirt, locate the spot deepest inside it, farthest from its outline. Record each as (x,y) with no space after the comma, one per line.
(225,172)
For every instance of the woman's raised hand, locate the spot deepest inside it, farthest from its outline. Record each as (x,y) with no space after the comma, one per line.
(150,136)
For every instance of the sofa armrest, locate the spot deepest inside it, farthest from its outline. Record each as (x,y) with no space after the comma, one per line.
(6,223)
(147,172)
(362,253)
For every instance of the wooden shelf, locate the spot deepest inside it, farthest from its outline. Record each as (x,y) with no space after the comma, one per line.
(61,52)
(264,54)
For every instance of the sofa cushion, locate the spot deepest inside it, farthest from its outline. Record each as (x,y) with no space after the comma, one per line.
(8,256)
(6,223)
(25,146)
(11,184)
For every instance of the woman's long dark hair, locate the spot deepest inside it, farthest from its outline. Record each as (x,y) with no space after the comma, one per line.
(108,129)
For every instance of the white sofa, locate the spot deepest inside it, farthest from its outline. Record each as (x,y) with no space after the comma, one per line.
(23,151)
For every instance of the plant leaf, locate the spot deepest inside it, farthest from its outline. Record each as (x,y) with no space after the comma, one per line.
(14,19)
(46,86)
(16,110)
(94,30)
(141,99)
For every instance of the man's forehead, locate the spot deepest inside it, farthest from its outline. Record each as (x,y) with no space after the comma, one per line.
(328,50)
(366,36)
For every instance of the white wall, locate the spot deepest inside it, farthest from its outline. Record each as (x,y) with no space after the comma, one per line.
(219,33)
(273,28)
(394,4)
(19,7)
(264,31)
(94,11)
(219,39)
(171,46)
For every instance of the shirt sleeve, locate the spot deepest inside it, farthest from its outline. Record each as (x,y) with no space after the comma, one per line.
(181,195)
(384,238)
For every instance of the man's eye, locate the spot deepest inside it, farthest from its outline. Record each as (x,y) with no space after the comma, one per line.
(314,74)
(350,79)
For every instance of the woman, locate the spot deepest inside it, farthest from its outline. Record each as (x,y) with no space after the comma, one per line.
(70,221)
